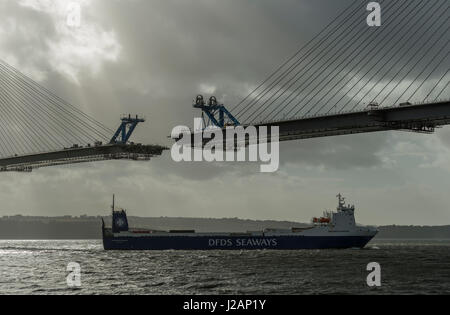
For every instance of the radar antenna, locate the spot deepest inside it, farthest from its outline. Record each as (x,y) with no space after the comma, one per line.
(341,203)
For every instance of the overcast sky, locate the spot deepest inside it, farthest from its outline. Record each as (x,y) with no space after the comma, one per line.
(152,57)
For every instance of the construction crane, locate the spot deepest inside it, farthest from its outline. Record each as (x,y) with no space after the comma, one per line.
(217,115)
(126,129)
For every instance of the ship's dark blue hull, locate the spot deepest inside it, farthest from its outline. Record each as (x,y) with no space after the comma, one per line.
(234,242)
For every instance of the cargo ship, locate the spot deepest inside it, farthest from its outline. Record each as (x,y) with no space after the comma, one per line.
(334,230)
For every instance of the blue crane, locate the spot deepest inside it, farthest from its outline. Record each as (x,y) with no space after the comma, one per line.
(125,129)
(216,113)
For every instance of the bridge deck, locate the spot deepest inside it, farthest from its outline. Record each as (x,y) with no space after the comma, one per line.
(27,163)
(416,118)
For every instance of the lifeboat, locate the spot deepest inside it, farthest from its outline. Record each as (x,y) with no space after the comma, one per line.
(324,220)
(321,220)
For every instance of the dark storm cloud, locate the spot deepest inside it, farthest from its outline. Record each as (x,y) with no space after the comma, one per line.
(347,152)
(364,64)
(444,136)
(152,58)
(171,48)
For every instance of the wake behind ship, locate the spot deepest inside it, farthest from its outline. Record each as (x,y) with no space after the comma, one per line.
(335,230)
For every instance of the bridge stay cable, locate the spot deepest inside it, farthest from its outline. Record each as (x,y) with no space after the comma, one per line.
(24,139)
(19,97)
(37,92)
(410,50)
(39,129)
(442,91)
(339,42)
(315,80)
(44,101)
(429,76)
(425,54)
(388,39)
(58,99)
(21,137)
(58,124)
(365,60)
(343,46)
(277,70)
(438,82)
(423,70)
(356,68)
(34,120)
(411,33)
(44,113)
(352,17)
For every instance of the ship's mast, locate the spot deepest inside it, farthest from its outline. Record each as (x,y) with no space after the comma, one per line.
(341,203)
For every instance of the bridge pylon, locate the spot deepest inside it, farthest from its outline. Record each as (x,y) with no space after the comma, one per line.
(126,129)
(217,114)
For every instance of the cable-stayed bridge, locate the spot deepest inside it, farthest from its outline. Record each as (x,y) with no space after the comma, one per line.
(352,78)
(38,129)
(349,78)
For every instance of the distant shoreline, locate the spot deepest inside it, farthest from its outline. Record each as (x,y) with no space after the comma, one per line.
(89,227)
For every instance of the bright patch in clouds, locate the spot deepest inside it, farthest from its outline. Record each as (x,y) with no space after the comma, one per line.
(207,89)
(70,49)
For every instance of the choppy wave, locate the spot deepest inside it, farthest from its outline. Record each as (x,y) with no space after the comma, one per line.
(39,267)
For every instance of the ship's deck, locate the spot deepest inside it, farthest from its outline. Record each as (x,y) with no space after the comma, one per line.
(190,233)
